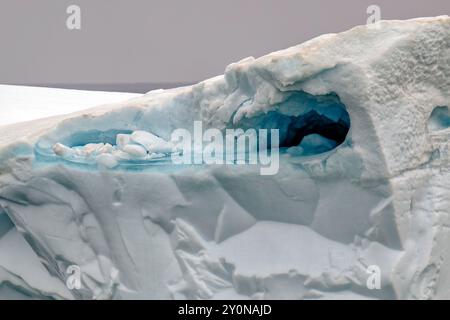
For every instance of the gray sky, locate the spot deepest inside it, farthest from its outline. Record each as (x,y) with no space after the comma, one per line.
(167,41)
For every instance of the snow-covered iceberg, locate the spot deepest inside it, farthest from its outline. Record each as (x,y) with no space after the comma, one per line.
(363,184)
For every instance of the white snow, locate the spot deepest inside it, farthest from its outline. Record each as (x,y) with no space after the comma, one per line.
(23,103)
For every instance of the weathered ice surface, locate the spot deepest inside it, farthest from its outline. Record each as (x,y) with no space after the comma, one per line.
(363,182)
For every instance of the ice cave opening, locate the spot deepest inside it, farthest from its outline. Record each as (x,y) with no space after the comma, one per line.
(308,124)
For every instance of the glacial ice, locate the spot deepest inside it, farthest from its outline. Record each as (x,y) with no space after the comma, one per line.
(363,182)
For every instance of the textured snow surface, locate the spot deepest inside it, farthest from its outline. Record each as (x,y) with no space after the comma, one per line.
(364,180)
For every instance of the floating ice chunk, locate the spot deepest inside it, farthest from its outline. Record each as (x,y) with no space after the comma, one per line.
(135,151)
(93,149)
(156,156)
(106,148)
(107,160)
(145,138)
(122,140)
(120,155)
(62,150)
(164,148)
(139,145)
(151,142)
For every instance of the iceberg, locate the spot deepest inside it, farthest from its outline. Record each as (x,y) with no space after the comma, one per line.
(359,207)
